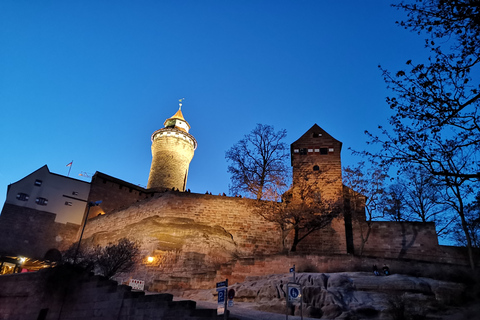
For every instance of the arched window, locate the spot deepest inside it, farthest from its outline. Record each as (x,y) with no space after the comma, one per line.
(316,168)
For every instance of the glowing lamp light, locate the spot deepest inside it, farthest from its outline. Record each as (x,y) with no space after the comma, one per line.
(22,259)
(150,259)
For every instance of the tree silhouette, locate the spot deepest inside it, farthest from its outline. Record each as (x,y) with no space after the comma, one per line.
(258,163)
(436,121)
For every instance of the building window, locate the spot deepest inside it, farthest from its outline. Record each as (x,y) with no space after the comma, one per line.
(331,150)
(68,203)
(41,201)
(317,135)
(38,183)
(316,168)
(75,193)
(317,150)
(323,150)
(22,196)
(296,151)
(303,151)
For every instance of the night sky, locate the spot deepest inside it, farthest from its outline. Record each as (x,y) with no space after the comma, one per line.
(90,81)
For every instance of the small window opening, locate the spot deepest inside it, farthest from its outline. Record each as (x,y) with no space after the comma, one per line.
(316,168)
(41,201)
(323,150)
(22,196)
(38,183)
(75,193)
(68,203)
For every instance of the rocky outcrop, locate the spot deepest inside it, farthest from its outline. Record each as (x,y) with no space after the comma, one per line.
(353,295)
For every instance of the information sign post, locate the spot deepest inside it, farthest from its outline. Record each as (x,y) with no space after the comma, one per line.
(294,295)
(222,299)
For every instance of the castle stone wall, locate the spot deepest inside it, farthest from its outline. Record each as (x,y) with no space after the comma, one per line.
(31,233)
(402,240)
(115,194)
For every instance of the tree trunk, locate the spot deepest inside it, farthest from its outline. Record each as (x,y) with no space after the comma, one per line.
(295,239)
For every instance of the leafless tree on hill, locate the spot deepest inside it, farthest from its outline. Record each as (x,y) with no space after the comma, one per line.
(258,163)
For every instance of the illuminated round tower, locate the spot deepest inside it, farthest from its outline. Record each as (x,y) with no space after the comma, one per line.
(172,151)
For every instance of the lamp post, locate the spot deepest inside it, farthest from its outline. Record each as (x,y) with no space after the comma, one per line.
(89,205)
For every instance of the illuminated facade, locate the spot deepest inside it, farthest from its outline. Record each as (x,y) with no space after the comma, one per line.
(172,151)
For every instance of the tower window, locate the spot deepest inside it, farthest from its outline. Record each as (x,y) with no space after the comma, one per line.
(68,203)
(38,183)
(75,193)
(331,150)
(41,201)
(296,151)
(323,150)
(303,151)
(317,135)
(316,168)
(22,196)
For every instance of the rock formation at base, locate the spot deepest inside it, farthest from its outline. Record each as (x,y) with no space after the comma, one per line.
(352,295)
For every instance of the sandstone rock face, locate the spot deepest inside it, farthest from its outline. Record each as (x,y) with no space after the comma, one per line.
(353,295)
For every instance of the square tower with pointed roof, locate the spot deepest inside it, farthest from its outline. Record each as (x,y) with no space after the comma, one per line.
(317,165)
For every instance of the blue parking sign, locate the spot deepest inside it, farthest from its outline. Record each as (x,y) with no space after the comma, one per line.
(221,296)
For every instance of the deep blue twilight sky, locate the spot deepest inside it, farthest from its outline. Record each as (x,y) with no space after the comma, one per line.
(91,80)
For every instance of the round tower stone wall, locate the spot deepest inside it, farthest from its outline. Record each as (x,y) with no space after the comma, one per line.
(172,151)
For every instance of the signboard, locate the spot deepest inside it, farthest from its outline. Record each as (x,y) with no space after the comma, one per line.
(221,302)
(222,292)
(294,292)
(137,284)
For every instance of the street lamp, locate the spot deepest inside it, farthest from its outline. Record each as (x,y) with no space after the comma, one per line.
(89,205)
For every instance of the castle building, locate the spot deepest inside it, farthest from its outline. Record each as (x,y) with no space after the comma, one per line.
(42,211)
(172,151)
(195,232)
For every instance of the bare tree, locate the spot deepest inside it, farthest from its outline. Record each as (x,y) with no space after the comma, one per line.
(258,163)
(107,261)
(394,202)
(423,200)
(472,216)
(116,257)
(436,121)
(304,212)
(366,186)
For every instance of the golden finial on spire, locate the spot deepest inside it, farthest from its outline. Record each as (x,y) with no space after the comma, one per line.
(180,103)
